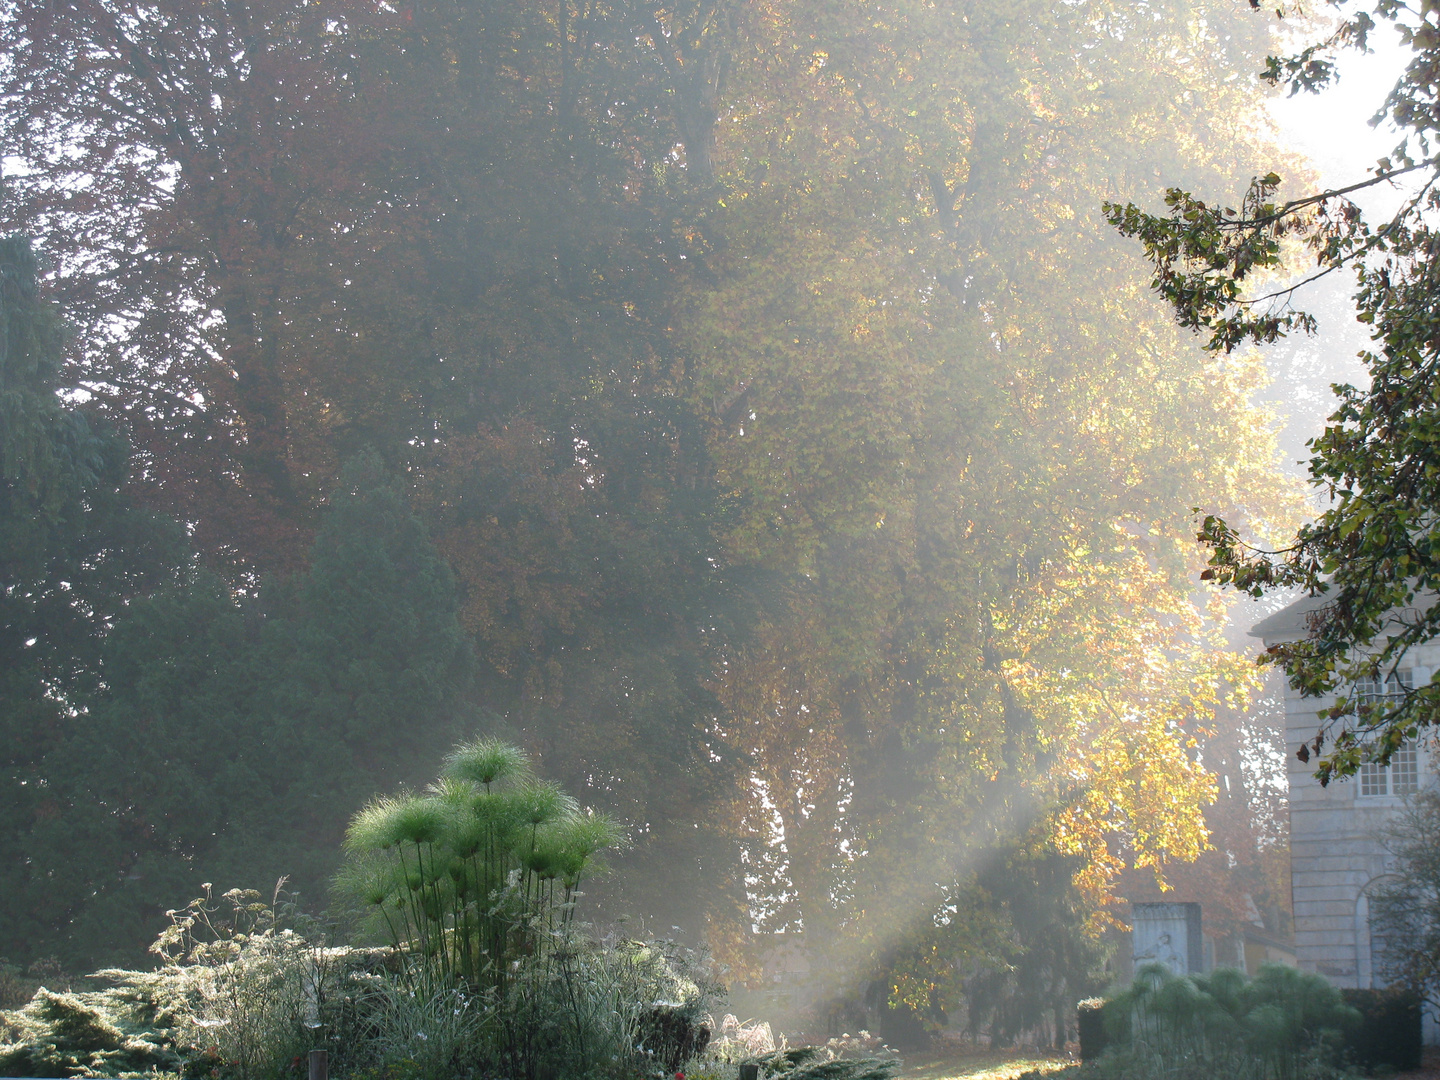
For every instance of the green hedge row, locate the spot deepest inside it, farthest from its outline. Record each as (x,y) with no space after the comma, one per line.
(1371,1030)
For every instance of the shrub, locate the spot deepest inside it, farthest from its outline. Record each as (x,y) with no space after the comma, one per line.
(736,1042)
(1389,1034)
(619,1006)
(817,1063)
(582,1008)
(87,1034)
(239,987)
(474,884)
(406,1034)
(1282,1025)
(1090,1023)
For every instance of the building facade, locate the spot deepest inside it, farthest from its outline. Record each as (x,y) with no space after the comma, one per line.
(1336,855)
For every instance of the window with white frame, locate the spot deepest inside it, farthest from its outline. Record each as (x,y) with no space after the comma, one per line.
(1404,770)
(1402,775)
(1383,688)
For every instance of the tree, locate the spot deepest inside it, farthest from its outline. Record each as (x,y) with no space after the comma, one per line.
(1374,554)
(75,550)
(808,461)
(1244,876)
(447,232)
(1010,949)
(230,736)
(1405,905)
(220,156)
(957,457)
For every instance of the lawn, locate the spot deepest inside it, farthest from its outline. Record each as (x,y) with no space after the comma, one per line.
(978,1064)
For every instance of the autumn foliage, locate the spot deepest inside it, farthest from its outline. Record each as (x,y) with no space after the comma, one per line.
(811,468)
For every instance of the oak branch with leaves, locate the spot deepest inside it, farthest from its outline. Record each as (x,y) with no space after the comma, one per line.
(1374,554)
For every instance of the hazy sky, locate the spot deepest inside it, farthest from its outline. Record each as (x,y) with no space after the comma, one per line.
(1333,129)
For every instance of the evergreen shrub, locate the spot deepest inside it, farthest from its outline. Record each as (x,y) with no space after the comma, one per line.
(1090,1022)
(1388,1036)
(1283,1024)
(86,1034)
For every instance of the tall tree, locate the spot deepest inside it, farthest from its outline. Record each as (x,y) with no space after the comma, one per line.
(229,737)
(962,449)
(449,234)
(1371,556)
(799,443)
(74,550)
(181,165)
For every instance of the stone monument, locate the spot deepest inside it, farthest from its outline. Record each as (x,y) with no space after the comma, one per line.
(1169,934)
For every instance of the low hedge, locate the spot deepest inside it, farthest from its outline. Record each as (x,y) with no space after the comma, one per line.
(1389,1033)
(1283,1016)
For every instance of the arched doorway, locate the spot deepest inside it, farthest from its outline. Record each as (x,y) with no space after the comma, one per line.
(1374,955)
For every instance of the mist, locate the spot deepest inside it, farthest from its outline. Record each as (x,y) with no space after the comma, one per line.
(744,408)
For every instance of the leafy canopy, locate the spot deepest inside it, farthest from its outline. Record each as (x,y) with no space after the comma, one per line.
(1374,554)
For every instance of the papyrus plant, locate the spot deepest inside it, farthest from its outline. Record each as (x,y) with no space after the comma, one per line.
(478,872)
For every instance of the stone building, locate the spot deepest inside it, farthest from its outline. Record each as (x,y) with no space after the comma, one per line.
(1336,858)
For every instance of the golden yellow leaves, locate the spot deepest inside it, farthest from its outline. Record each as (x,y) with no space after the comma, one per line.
(1124,674)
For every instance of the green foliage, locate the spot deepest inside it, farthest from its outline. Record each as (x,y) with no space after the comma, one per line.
(241,998)
(74,551)
(419,1035)
(242,987)
(236,995)
(1374,554)
(478,872)
(617,1007)
(1045,959)
(378,650)
(1391,1032)
(1203,254)
(475,885)
(1281,1025)
(47,452)
(1010,947)
(1405,904)
(234,734)
(80,1035)
(816,1063)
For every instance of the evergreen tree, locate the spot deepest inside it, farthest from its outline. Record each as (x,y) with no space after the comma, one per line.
(232,735)
(73,551)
